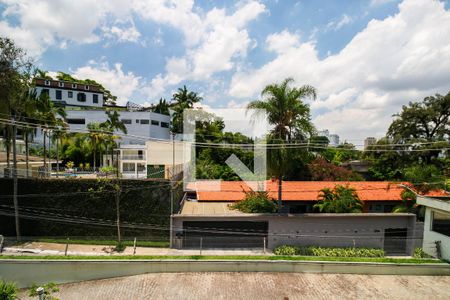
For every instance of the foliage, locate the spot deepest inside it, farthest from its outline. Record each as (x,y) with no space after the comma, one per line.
(183,99)
(321,169)
(419,253)
(8,290)
(425,177)
(328,251)
(70,165)
(162,107)
(341,199)
(108,170)
(120,247)
(255,202)
(426,120)
(49,289)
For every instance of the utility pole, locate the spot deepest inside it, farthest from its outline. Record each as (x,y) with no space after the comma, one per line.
(15,200)
(171,188)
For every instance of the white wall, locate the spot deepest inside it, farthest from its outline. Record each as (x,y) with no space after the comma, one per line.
(73,101)
(430,237)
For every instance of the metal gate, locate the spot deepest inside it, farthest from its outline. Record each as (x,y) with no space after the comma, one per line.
(395,241)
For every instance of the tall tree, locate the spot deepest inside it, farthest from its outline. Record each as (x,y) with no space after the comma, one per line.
(284,107)
(183,99)
(97,136)
(162,107)
(112,124)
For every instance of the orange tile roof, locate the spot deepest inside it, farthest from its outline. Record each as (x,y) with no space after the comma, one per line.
(304,190)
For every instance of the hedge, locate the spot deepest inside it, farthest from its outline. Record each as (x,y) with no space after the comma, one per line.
(328,251)
(146,202)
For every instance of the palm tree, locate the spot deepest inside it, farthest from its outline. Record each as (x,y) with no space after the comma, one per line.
(183,99)
(50,115)
(162,107)
(284,107)
(97,137)
(341,199)
(113,123)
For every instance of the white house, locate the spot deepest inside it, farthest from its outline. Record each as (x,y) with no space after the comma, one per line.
(436,233)
(70,93)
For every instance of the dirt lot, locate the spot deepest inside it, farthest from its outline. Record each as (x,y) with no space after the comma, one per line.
(259,286)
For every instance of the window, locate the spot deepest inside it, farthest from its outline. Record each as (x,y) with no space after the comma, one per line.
(86,87)
(74,85)
(61,84)
(145,121)
(76,121)
(154,122)
(81,97)
(164,124)
(58,94)
(95,98)
(47,82)
(128,167)
(137,121)
(441,223)
(45,92)
(126,121)
(70,94)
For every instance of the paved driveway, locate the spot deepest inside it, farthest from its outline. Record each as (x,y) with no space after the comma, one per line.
(259,286)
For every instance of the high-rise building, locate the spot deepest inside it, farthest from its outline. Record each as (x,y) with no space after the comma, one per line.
(369,141)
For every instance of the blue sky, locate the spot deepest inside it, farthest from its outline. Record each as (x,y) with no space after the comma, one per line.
(365,57)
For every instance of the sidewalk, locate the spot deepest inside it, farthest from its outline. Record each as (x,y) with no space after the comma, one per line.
(40,248)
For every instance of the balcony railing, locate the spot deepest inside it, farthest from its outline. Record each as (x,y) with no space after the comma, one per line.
(133,157)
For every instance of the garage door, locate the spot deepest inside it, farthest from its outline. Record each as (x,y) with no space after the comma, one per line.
(223,234)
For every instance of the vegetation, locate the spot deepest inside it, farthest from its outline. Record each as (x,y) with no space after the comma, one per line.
(238,257)
(49,289)
(419,253)
(291,119)
(183,99)
(340,199)
(255,202)
(328,251)
(8,290)
(322,170)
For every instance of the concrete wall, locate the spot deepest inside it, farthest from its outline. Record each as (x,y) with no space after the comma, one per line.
(73,100)
(430,237)
(332,230)
(27,272)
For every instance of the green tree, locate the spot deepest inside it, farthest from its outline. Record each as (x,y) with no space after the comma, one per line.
(112,124)
(284,107)
(341,199)
(183,99)
(255,202)
(162,107)
(97,136)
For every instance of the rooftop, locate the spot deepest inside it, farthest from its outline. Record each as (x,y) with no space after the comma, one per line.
(304,190)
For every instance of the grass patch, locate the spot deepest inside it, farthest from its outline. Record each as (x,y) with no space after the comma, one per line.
(233,257)
(150,244)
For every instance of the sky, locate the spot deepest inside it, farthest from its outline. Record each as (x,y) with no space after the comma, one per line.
(366,58)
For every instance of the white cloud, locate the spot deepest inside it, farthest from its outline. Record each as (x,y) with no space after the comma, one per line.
(121,84)
(214,43)
(389,63)
(380,2)
(282,42)
(122,32)
(336,25)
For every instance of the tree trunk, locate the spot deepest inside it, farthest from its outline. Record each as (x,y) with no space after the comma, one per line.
(49,156)
(8,149)
(119,238)
(15,199)
(57,157)
(45,158)
(93,165)
(280,183)
(27,153)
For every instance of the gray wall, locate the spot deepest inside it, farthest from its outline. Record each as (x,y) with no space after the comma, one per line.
(333,230)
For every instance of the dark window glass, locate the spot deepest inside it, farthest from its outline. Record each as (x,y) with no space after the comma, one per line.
(76,121)
(45,91)
(95,98)
(165,124)
(70,94)
(145,122)
(58,94)
(126,121)
(441,223)
(154,122)
(137,121)
(81,97)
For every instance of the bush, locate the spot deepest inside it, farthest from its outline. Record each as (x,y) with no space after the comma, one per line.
(255,202)
(328,251)
(49,289)
(120,247)
(419,253)
(8,290)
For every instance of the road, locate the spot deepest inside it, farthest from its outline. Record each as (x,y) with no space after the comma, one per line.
(259,286)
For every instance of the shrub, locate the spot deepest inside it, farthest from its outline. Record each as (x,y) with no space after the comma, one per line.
(120,247)
(49,289)
(8,290)
(419,253)
(341,199)
(255,202)
(328,251)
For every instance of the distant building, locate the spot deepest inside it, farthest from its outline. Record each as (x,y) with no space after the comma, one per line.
(369,141)
(334,140)
(332,137)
